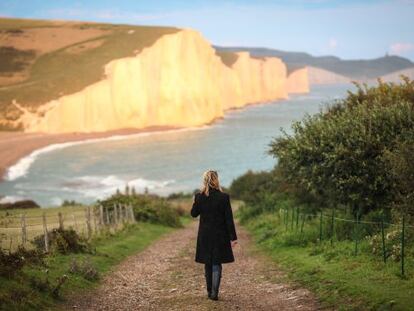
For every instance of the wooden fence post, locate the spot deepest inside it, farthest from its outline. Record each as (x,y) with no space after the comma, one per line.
(101,215)
(94,220)
(115,214)
(125,214)
(107,216)
(45,233)
(88,221)
(297,218)
(60,221)
(131,213)
(24,231)
(121,213)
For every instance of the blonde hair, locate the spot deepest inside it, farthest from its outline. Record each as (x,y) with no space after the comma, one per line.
(210,180)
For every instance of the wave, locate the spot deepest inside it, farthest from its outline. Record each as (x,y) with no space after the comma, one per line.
(21,168)
(100,187)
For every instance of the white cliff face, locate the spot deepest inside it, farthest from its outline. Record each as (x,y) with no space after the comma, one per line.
(178,81)
(297,81)
(322,76)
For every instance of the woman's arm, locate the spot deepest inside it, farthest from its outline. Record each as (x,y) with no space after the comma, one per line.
(195,210)
(228,214)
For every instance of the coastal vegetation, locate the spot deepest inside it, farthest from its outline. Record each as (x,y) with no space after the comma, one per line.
(147,207)
(44,282)
(32,278)
(336,212)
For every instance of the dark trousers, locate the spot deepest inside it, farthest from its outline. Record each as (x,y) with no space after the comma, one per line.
(213,276)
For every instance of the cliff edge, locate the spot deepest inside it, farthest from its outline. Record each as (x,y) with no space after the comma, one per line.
(177,81)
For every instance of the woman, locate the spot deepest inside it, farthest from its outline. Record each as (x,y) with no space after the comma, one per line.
(216,231)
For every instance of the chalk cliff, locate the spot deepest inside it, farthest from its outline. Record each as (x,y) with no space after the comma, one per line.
(322,76)
(178,81)
(297,81)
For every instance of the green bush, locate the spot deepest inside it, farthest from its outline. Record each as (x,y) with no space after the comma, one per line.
(63,241)
(12,263)
(344,156)
(250,186)
(146,207)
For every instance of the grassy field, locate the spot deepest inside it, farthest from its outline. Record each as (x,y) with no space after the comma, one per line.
(338,277)
(10,223)
(68,69)
(228,58)
(19,293)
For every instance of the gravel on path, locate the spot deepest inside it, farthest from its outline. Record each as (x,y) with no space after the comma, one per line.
(165,277)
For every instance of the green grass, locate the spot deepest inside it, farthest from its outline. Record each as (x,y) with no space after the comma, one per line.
(18,294)
(228,58)
(338,277)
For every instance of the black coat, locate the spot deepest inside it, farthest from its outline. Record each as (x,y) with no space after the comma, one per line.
(216,228)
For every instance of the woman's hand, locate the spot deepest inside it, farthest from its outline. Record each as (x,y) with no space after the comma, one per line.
(233,243)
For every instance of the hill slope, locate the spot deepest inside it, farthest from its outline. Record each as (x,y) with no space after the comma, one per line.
(61,77)
(42,60)
(353,69)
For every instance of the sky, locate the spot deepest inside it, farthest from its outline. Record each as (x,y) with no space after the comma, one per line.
(350,29)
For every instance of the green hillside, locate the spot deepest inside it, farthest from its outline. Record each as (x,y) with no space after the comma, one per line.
(354,69)
(71,57)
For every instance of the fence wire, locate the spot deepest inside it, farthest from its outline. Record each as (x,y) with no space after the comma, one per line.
(326,229)
(20,230)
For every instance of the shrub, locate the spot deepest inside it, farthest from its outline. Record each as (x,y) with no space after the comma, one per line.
(148,208)
(11,263)
(392,244)
(85,268)
(250,186)
(63,241)
(344,155)
(24,204)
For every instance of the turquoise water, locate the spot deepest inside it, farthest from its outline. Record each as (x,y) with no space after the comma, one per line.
(164,162)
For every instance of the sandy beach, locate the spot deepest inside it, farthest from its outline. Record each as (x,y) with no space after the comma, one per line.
(16,145)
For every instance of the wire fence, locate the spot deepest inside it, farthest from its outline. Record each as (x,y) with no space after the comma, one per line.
(22,230)
(389,240)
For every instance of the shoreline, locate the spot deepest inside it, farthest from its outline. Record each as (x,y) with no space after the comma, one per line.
(16,145)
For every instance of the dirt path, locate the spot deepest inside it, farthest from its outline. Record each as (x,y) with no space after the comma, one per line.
(165,277)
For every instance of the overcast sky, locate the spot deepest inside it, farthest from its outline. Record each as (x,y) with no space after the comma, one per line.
(349,29)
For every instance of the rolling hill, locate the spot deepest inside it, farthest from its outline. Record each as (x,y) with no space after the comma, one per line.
(41,60)
(363,69)
(65,76)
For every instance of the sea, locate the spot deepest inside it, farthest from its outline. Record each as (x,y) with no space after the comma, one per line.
(162,162)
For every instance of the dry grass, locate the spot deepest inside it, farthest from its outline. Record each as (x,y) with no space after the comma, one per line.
(10,223)
(69,57)
(48,39)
